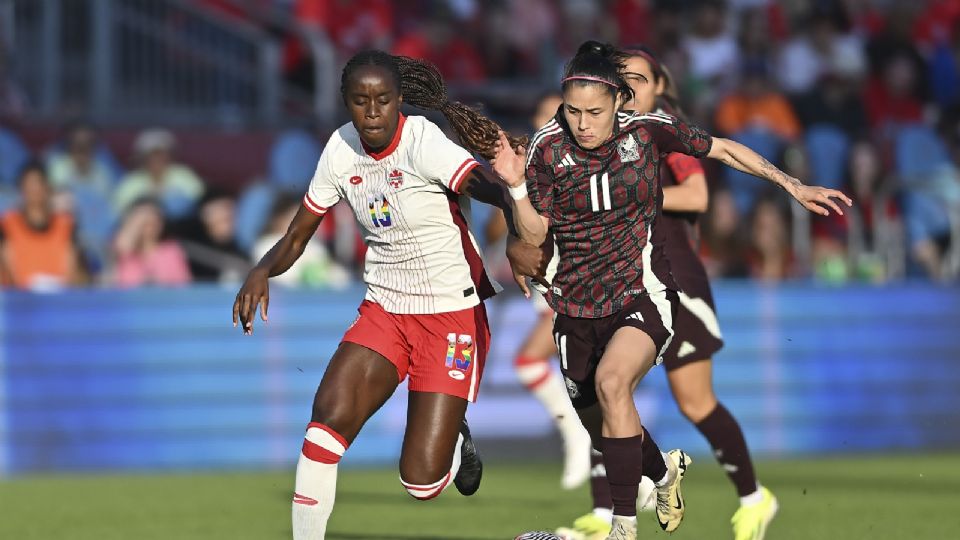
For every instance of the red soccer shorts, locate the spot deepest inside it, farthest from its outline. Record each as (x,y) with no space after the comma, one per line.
(440,352)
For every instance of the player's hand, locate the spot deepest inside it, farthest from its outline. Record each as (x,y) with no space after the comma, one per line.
(819,199)
(255,291)
(509,163)
(527,260)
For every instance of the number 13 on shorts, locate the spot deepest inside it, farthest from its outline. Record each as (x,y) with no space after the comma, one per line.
(459,352)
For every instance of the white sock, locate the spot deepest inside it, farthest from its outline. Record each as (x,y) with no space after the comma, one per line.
(666,476)
(316,483)
(752,498)
(605,514)
(548,387)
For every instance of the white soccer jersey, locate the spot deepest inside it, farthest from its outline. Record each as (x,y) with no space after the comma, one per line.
(421,256)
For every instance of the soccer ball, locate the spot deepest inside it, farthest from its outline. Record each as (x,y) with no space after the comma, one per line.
(537,535)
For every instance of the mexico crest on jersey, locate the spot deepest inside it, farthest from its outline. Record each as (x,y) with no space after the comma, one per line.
(628,150)
(395,179)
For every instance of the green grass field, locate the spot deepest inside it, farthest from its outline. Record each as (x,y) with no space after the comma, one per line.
(901,497)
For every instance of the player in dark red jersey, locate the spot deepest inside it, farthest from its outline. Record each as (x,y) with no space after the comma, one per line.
(591,177)
(688,358)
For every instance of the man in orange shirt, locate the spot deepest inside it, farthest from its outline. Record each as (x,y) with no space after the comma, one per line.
(756,104)
(38,249)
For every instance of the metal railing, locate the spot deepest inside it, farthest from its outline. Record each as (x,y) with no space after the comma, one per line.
(155,61)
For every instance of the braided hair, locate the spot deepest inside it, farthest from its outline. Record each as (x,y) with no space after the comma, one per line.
(598,64)
(422,86)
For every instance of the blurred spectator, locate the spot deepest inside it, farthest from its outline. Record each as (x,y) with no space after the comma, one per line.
(770,257)
(209,242)
(633,18)
(710,46)
(896,40)
(835,100)
(39,249)
(77,163)
(720,238)
(893,98)
(438,41)
(145,254)
(755,105)
(807,57)
(314,268)
(174,185)
(849,246)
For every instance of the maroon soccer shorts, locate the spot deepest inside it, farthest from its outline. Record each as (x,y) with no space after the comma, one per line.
(696,330)
(582,342)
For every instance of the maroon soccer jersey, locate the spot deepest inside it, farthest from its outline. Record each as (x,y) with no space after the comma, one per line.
(602,205)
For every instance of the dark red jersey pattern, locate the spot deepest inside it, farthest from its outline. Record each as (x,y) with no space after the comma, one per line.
(679,228)
(602,205)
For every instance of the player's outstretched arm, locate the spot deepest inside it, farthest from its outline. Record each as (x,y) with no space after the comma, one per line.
(814,198)
(255,290)
(509,165)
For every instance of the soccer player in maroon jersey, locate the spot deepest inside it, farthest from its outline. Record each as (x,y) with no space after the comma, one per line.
(591,178)
(423,316)
(688,358)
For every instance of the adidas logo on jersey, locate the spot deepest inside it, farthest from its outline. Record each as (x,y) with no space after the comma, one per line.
(567,161)
(637,316)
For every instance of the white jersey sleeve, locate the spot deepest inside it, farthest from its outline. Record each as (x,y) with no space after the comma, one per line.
(441,160)
(324,191)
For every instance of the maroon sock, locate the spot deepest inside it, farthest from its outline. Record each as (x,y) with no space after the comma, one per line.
(599,486)
(725,436)
(653,465)
(624,463)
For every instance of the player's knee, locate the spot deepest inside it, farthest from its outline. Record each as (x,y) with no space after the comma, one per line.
(611,389)
(531,371)
(696,407)
(334,414)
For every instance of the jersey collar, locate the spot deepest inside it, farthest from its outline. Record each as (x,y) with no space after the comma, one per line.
(394,143)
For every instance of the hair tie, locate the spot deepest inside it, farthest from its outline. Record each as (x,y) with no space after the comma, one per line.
(588,78)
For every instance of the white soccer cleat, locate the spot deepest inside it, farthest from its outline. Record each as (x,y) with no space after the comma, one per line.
(670,505)
(646,496)
(623,529)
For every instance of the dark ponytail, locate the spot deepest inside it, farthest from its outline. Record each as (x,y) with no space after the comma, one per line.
(422,86)
(600,64)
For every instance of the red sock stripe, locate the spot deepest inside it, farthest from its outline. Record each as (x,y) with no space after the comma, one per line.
(301,499)
(528,360)
(332,433)
(431,492)
(315,452)
(540,380)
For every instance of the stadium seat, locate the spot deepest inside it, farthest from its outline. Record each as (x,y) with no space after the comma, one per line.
(293,159)
(919,152)
(13,155)
(252,213)
(828,148)
(744,187)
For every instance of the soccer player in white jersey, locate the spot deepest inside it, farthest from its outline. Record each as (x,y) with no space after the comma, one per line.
(423,316)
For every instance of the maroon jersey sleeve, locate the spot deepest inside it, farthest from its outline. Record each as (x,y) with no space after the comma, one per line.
(540,183)
(672,134)
(683,166)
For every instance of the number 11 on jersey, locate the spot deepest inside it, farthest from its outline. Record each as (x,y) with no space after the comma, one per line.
(604,190)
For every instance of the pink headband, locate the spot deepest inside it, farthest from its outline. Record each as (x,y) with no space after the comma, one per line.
(587,78)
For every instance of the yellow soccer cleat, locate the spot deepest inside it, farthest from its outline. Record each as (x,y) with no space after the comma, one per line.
(670,505)
(587,527)
(623,529)
(750,522)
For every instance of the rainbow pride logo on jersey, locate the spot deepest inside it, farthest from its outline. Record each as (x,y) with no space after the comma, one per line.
(379,210)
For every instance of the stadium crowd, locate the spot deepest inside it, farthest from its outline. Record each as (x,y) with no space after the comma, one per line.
(862,95)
